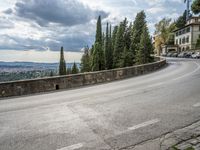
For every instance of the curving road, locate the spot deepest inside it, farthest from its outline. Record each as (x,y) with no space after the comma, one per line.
(116,115)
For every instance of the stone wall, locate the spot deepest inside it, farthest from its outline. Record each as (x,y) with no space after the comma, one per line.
(27,87)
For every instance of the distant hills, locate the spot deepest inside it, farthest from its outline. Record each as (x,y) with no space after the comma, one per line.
(29,66)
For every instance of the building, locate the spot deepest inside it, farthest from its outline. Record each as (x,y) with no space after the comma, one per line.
(186,37)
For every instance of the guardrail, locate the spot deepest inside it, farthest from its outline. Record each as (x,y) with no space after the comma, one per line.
(26,87)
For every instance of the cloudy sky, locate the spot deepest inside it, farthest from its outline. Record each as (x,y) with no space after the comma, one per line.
(34,30)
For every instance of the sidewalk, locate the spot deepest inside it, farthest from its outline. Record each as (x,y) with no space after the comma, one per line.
(187,138)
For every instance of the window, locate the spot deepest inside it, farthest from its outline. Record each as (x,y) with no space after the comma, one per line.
(176,42)
(179,41)
(177,33)
(188,29)
(183,31)
(187,39)
(183,40)
(196,20)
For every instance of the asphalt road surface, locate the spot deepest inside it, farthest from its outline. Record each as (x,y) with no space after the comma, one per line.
(115,115)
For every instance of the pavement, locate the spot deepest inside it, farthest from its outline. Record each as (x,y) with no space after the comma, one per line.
(129,114)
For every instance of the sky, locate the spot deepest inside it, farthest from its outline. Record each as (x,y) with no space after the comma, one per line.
(34,30)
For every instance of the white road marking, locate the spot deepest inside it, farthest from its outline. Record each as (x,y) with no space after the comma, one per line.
(72,147)
(196,105)
(144,124)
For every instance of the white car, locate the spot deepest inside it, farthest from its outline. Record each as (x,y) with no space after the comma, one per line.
(196,55)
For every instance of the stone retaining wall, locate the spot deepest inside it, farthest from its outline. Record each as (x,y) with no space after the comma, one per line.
(26,87)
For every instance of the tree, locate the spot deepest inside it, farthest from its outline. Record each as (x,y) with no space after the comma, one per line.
(85,61)
(196,6)
(95,57)
(137,32)
(181,21)
(62,66)
(75,69)
(119,44)
(99,32)
(98,56)
(164,33)
(127,36)
(162,29)
(143,55)
(108,48)
(126,58)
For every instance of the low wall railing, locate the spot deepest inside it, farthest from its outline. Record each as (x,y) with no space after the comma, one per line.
(26,87)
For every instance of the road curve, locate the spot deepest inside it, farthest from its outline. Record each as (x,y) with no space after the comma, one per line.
(115,115)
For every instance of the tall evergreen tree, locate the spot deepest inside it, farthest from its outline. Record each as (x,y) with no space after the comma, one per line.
(99,32)
(127,36)
(110,48)
(126,58)
(98,56)
(62,65)
(119,44)
(114,34)
(75,69)
(143,55)
(137,32)
(106,48)
(85,60)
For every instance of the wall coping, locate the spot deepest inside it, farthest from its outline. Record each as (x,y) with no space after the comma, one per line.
(80,74)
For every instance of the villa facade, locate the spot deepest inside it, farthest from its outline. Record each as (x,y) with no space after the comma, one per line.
(186,37)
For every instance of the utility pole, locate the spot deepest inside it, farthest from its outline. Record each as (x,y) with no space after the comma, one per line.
(188,9)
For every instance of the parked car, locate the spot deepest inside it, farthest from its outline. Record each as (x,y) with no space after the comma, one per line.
(169,54)
(196,55)
(188,55)
(174,55)
(182,55)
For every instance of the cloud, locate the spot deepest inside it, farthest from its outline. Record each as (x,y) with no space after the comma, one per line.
(6,23)
(8,11)
(65,12)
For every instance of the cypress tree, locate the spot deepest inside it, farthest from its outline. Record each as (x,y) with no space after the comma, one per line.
(119,44)
(106,48)
(99,32)
(143,55)
(126,58)
(62,66)
(95,57)
(114,34)
(110,50)
(98,56)
(137,32)
(75,69)
(127,36)
(85,61)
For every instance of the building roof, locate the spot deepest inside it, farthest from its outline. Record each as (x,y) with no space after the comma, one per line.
(186,26)
(190,24)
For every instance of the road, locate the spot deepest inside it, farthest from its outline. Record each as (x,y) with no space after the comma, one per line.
(115,115)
